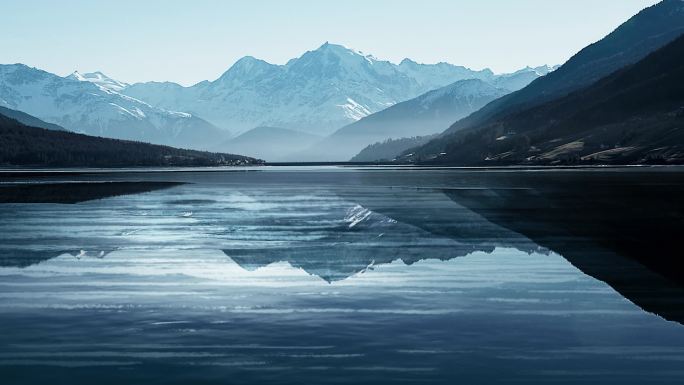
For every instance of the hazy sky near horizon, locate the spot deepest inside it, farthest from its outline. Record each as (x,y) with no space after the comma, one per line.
(191,41)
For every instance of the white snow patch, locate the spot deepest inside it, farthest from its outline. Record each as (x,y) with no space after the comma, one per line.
(354,110)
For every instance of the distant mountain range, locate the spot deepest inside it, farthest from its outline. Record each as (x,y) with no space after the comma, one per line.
(319,92)
(582,113)
(23,145)
(80,104)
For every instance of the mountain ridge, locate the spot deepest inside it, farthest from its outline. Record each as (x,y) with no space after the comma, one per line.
(424,115)
(83,106)
(317,92)
(99,79)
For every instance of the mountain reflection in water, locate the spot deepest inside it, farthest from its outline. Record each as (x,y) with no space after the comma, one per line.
(361,272)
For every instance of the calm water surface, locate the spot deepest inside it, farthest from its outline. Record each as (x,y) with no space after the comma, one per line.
(315,276)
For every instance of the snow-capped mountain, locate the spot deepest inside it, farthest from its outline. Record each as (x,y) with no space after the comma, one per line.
(520,79)
(99,79)
(435,76)
(319,92)
(96,109)
(422,116)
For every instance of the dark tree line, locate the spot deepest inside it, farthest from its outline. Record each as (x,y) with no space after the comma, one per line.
(30,146)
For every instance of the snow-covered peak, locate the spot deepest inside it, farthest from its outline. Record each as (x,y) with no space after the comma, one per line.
(542,70)
(408,63)
(333,68)
(521,78)
(101,80)
(336,49)
(319,91)
(340,50)
(433,76)
(247,69)
(248,64)
(77,76)
(327,54)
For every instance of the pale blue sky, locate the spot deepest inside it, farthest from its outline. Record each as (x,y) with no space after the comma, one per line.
(190,41)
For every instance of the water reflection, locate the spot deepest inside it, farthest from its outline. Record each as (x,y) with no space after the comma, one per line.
(329,233)
(368,279)
(622,231)
(74,192)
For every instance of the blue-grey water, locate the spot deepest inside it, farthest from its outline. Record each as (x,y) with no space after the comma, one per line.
(305,276)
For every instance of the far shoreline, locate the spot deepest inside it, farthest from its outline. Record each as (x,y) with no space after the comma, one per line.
(19,171)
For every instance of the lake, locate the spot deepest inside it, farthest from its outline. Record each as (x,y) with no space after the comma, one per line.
(335,275)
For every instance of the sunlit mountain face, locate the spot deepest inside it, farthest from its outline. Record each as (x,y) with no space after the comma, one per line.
(270,275)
